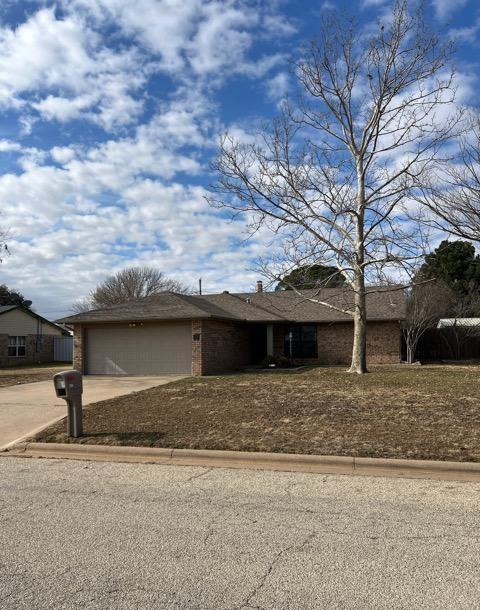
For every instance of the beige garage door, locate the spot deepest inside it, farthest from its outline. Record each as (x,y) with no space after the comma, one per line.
(139,350)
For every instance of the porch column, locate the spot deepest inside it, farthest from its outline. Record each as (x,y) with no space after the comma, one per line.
(269,339)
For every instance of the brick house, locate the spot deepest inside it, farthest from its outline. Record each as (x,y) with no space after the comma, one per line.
(26,337)
(209,334)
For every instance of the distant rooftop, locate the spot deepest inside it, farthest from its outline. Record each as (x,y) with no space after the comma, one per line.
(465,322)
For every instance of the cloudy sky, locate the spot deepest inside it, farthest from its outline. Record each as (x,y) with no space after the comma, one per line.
(109,114)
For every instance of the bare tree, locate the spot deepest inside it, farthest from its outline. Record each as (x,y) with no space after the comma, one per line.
(334,175)
(453,195)
(129,284)
(426,304)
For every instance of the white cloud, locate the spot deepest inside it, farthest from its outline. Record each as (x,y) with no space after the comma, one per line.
(63,68)
(70,73)
(278,86)
(83,209)
(370,3)
(203,37)
(62,154)
(468,34)
(114,204)
(445,8)
(279,25)
(9,146)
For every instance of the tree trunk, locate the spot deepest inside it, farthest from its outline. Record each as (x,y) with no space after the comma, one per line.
(359,352)
(410,353)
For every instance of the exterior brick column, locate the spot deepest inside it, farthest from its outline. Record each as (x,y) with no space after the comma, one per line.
(78,348)
(197,367)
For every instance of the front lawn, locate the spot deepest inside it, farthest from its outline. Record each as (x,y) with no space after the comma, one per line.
(428,412)
(29,373)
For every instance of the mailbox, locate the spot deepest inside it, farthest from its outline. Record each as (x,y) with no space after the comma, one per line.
(69,386)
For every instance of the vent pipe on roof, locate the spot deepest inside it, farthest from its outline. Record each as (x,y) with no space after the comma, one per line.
(259,286)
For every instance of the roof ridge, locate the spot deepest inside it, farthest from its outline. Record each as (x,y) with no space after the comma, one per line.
(193,297)
(252,304)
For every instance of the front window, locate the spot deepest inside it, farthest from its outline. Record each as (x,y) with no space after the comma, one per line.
(16,347)
(301,341)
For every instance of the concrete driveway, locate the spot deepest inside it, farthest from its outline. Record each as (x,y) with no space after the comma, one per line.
(27,408)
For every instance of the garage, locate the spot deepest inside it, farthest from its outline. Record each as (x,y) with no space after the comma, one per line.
(137,349)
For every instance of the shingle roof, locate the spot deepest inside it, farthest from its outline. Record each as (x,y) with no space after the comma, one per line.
(5,308)
(283,306)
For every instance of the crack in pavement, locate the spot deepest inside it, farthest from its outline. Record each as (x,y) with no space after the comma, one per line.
(197,476)
(270,568)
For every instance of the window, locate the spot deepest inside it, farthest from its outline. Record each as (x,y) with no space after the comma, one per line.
(301,341)
(16,347)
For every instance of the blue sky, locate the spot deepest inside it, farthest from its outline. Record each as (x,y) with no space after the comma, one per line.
(109,115)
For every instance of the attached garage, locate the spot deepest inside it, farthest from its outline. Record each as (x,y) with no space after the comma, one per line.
(133,349)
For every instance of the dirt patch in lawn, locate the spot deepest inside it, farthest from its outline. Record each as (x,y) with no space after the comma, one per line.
(30,373)
(430,412)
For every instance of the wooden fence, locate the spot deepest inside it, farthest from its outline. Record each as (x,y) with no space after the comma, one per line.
(440,344)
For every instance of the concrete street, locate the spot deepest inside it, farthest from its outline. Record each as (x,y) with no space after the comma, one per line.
(94,535)
(27,407)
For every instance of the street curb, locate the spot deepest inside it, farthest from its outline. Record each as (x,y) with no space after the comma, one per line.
(21,440)
(287,462)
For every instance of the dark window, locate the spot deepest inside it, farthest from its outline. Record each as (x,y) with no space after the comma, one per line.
(301,341)
(16,346)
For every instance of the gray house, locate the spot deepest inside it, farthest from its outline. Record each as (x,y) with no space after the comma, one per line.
(202,335)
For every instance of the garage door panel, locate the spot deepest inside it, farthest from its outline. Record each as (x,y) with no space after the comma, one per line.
(139,350)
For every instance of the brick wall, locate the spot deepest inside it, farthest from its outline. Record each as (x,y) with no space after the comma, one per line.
(335,342)
(35,352)
(221,346)
(78,348)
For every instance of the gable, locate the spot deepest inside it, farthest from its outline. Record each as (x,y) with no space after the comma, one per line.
(19,322)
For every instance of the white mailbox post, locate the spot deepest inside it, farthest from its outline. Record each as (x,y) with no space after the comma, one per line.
(68,385)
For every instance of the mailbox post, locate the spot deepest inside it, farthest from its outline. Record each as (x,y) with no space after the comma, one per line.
(68,385)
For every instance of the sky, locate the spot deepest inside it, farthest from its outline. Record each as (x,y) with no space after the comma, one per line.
(110,112)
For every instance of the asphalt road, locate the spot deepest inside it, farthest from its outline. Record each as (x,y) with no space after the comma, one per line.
(99,535)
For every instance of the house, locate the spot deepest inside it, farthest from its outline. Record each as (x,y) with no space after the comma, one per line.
(208,334)
(26,337)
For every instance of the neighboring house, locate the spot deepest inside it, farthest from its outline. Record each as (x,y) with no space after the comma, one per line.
(26,337)
(202,335)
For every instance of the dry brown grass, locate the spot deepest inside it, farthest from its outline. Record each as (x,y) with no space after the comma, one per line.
(430,412)
(30,373)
